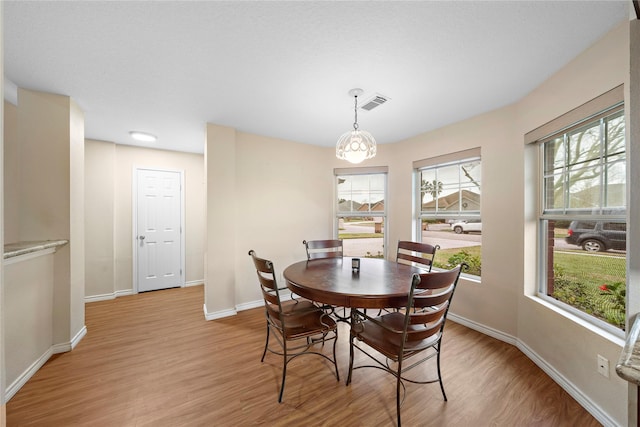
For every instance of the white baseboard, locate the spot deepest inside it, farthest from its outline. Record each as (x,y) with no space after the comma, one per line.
(121,293)
(494,333)
(597,412)
(104,297)
(124,292)
(100,297)
(61,348)
(240,307)
(561,380)
(250,305)
(218,314)
(78,337)
(15,386)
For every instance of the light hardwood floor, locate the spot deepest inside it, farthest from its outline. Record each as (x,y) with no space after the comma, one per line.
(152,360)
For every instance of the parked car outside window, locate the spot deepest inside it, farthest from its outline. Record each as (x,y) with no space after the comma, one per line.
(466,226)
(597,236)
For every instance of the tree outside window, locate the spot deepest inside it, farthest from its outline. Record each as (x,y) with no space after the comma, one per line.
(583,228)
(449,211)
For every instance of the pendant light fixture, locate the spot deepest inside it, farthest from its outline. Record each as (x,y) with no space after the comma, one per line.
(356,145)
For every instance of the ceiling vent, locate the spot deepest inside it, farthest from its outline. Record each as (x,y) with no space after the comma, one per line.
(374,102)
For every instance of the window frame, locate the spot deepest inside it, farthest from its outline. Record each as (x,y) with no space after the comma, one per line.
(567,211)
(446,160)
(382,170)
(459,214)
(595,111)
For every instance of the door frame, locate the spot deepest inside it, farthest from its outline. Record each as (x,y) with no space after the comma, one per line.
(134,223)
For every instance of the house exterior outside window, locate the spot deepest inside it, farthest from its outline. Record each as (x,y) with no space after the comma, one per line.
(447,198)
(361,216)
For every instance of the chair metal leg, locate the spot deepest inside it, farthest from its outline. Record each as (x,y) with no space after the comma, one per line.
(284,370)
(335,360)
(266,344)
(351,338)
(440,375)
(398,385)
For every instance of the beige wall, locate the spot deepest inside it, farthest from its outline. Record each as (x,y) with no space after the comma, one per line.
(221,220)
(45,139)
(285,195)
(563,343)
(492,132)
(11,174)
(76,244)
(109,179)
(106,189)
(264,194)
(51,135)
(99,218)
(43,135)
(29,286)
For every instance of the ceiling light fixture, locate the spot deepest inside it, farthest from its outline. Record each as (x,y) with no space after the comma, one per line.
(142,136)
(356,145)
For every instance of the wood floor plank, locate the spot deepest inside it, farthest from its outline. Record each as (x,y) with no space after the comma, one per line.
(152,360)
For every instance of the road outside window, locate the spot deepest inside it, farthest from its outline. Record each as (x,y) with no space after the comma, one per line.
(361,214)
(449,211)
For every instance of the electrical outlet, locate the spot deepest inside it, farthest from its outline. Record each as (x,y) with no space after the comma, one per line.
(603,366)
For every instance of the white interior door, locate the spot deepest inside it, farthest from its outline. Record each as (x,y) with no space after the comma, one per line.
(159,224)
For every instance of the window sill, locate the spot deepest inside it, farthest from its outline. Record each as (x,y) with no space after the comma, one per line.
(616,337)
(471,279)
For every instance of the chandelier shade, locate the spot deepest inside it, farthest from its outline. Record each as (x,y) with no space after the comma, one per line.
(356,145)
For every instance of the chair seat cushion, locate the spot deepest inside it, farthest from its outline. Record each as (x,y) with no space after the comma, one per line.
(307,323)
(297,305)
(388,342)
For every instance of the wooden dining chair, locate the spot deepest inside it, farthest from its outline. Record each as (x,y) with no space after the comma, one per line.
(299,326)
(322,249)
(318,249)
(414,333)
(417,254)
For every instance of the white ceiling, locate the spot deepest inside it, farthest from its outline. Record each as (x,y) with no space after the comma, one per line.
(284,69)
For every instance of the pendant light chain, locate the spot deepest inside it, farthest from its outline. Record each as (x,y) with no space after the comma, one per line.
(355,111)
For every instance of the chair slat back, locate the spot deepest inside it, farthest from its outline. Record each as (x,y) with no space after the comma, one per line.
(318,249)
(415,253)
(268,286)
(428,304)
(428,316)
(270,296)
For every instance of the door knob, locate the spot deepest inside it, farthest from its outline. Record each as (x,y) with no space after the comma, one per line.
(141,237)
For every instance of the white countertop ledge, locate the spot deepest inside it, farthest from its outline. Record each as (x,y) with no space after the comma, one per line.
(12,250)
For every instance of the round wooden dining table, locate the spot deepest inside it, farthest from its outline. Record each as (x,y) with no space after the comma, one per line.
(378,284)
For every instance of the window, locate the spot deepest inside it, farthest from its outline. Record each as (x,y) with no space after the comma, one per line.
(582,218)
(448,193)
(360,211)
